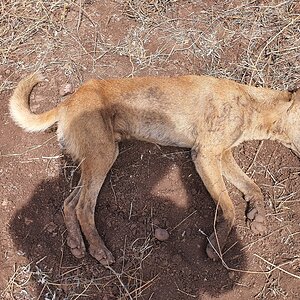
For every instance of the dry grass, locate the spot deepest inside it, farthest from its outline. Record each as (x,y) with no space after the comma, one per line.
(253,44)
(20,21)
(265,39)
(26,27)
(72,282)
(249,43)
(19,284)
(272,288)
(146,11)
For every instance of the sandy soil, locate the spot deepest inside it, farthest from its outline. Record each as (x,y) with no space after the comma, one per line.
(149,186)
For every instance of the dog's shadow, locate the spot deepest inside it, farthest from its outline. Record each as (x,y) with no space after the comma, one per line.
(148,187)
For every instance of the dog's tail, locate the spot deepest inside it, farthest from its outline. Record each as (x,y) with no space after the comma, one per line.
(20,110)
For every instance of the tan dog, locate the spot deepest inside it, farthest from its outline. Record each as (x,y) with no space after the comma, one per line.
(206,114)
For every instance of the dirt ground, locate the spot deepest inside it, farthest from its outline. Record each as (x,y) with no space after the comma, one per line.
(254,42)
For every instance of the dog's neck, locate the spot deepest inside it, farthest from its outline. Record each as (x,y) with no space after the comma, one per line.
(268,118)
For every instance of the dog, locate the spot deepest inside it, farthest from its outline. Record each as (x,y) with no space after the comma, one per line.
(206,114)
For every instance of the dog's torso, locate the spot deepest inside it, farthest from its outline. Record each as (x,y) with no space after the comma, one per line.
(179,111)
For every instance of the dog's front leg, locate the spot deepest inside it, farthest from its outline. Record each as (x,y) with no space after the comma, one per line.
(255,212)
(208,166)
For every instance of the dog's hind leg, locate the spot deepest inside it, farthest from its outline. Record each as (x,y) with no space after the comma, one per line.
(74,233)
(94,171)
(208,166)
(255,211)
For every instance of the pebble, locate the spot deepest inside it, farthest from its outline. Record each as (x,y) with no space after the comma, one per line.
(4,202)
(28,221)
(232,275)
(66,90)
(161,234)
(50,227)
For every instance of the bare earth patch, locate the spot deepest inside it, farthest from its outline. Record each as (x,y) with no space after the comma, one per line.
(153,212)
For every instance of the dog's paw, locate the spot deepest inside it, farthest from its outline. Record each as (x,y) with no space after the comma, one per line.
(77,246)
(103,255)
(256,221)
(255,213)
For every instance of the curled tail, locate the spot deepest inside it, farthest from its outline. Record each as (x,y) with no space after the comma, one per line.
(20,110)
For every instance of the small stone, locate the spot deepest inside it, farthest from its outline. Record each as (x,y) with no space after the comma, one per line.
(66,90)
(161,234)
(188,232)
(232,275)
(50,227)
(28,221)
(35,107)
(4,202)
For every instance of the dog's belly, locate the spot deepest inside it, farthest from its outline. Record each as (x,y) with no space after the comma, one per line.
(159,134)
(156,123)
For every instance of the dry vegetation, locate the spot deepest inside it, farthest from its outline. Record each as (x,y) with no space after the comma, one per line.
(252,43)
(264,38)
